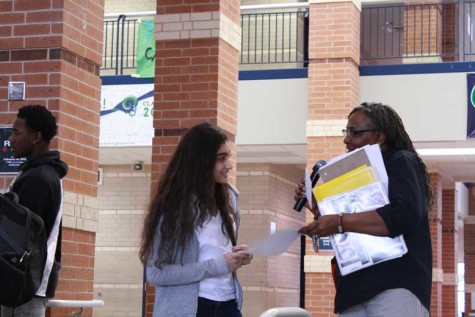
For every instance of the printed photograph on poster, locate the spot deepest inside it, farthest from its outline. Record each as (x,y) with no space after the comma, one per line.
(126,115)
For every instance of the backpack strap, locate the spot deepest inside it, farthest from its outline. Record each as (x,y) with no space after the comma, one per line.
(52,243)
(10,187)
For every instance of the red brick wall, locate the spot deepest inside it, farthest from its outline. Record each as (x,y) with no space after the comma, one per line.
(196,81)
(469,248)
(450,26)
(333,80)
(333,90)
(228,61)
(266,195)
(77,272)
(319,292)
(61,72)
(183,6)
(186,87)
(332,31)
(449,250)
(435,221)
(55,47)
(191,87)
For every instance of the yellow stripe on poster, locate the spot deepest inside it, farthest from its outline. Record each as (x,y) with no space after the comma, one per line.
(353,179)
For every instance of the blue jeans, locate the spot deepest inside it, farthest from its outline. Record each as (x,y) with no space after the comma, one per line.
(211,308)
(34,308)
(390,303)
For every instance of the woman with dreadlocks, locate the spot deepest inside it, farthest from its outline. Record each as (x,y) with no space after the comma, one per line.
(402,286)
(190,231)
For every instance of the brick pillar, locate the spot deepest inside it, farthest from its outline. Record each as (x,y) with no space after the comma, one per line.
(55,47)
(266,197)
(435,221)
(469,248)
(449,250)
(333,90)
(197,45)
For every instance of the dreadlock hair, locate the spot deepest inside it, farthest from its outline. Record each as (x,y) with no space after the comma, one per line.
(386,120)
(184,195)
(39,119)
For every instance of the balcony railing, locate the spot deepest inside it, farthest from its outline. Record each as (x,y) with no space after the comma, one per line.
(415,33)
(270,39)
(276,36)
(120,43)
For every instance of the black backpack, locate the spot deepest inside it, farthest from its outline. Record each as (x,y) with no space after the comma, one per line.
(23,250)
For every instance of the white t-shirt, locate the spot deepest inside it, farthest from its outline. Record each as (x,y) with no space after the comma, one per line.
(214,243)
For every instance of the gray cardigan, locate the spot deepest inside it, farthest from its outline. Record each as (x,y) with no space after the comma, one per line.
(177,285)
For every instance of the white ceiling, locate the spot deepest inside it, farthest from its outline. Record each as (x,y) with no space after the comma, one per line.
(125,155)
(455,168)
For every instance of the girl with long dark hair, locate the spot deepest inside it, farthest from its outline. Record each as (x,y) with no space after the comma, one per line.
(189,239)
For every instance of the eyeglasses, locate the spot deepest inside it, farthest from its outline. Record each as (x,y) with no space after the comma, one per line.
(355,133)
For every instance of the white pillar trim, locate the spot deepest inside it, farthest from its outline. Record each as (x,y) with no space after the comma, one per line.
(322,128)
(357,3)
(80,212)
(182,26)
(317,263)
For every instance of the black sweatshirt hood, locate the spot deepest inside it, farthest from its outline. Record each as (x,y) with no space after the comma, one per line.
(51,158)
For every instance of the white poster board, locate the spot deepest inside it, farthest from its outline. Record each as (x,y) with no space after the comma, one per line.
(126,115)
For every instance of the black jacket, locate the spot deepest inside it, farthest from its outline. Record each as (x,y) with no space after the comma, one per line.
(38,188)
(406,214)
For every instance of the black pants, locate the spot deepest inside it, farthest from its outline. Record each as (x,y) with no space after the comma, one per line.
(211,308)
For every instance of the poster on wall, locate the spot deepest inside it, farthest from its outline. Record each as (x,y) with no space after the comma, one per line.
(8,164)
(126,115)
(470,106)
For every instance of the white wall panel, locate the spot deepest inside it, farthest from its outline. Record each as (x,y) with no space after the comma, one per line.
(272,111)
(433,107)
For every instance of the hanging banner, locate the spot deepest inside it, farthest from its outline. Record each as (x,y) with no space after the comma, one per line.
(126,115)
(146,50)
(8,164)
(471,106)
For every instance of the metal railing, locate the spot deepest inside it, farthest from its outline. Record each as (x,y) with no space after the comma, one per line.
(274,38)
(120,42)
(414,33)
(468,31)
(276,35)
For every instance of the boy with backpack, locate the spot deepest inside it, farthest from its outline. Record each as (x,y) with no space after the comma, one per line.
(38,186)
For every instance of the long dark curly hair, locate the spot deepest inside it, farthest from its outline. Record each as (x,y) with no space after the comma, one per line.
(386,120)
(185,194)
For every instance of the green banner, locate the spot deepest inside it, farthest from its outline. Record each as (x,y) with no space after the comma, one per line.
(146,50)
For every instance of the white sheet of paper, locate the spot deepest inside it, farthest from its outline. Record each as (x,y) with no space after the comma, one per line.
(308,188)
(276,243)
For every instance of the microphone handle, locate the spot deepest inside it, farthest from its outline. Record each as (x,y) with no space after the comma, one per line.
(302,201)
(299,204)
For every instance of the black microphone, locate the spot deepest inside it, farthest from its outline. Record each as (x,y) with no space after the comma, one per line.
(314,178)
